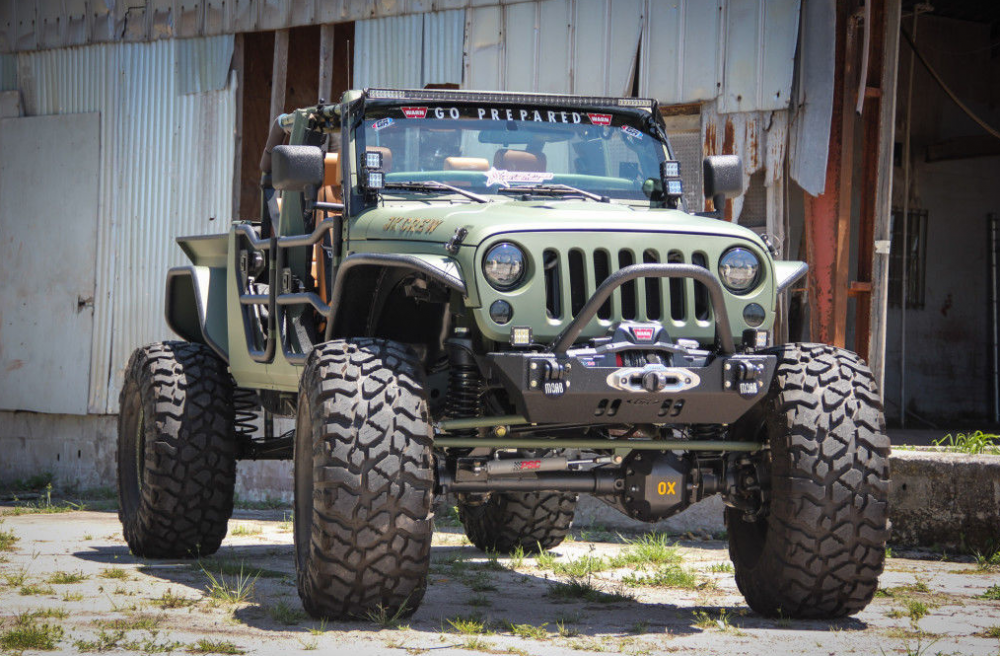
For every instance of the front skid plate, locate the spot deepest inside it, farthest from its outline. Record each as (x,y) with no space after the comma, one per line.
(581,394)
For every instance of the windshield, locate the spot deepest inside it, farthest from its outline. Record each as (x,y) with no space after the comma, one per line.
(490,149)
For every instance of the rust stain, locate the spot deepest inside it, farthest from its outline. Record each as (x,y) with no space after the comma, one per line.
(728,139)
(751,139)
(710,139)
(15,364)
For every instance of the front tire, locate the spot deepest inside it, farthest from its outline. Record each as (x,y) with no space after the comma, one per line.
(176,451)
(364,481)
(533,521)
(819,550)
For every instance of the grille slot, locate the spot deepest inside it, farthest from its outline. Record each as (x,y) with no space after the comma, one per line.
(702,303)
(626,258)
(652,288)
(602,269)
(553,284)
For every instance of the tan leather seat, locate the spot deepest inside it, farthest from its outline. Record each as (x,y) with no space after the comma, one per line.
(330,192)
(518,160)
(466,164)
(386,157)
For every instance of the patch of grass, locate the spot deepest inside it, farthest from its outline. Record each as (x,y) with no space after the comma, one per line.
(705,619)
(478,643)
(234,567)
(7,540)
(545,559)
(66,578)
(482,582)
(517,558)
(640,627)
(247,529)
(529,631)
(580,567)
(28,633)
(566,631)
(992,632)
(237,588)
(479,601)
(169,600)
(116,573)
(669,576)
(989,560)
(916,610)
(888,552)
(49,613)
(283,613)
(29,589)
(972,443)
(492,563)
(383,617)
(16,578)
(104,642)
(43,505)
(467,625)
(72,596)
(721,568)
(992,592)
(579,589)
(206,646)
(137,622)
(33,483)
(648,549)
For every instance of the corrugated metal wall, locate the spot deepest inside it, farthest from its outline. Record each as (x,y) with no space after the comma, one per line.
(166,170)
(409,52)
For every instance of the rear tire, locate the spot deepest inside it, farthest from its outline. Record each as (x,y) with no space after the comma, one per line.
(364,481)
(176,451)
(533,521)
(819,551)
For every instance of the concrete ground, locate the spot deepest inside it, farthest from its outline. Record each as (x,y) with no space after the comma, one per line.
(73,572)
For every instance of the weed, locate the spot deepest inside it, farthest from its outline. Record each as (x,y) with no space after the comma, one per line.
(206,646)
(169,600)
(383,617)
(706,620)
(648,549)
(916,610)
(888,552)
(545,559)
(477,643)
(580,567)
(492,563)
(308,645)
(7,540)
(50,613)
(566,632)
(971,443)
(721,568)
(72,596)
(482,582)
(670,576)
(584,589)
(283,613)
(34,589)
(116,573)
(233,567)
(989,560)
(247,529)
(16,578)
(992,632)
(992,592)
(65,578)
(28,634)
(238,589)
(136,622)
(517,558)
(529,631)
(32,483)
(479,601)
(467,625)
(43,505)
(640,627)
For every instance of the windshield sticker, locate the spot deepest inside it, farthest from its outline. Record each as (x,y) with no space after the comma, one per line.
(382,123)
(631,131)
(600,119)
(503,177)
(415,112)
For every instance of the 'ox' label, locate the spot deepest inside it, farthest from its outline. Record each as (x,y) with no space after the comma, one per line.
(600,119)
(415,112)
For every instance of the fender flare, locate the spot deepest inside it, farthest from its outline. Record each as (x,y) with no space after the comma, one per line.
(186,305)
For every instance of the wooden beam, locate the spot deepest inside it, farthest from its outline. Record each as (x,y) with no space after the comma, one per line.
(279,73)
(326,46)
(962,148)
(883,195)
(238,50)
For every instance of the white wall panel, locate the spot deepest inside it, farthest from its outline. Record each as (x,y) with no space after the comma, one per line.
(387,52)
(606,36)
(444,37)
(166,171)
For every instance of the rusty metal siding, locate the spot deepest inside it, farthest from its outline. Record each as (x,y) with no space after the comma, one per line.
(166,171)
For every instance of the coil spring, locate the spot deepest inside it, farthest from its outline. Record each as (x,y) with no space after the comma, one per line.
(705,431)
(464,388)
(245,407)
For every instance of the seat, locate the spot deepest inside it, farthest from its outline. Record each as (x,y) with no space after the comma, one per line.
(518,160)
(330,192)
(466,164)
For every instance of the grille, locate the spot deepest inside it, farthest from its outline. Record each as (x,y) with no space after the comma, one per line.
(573,274)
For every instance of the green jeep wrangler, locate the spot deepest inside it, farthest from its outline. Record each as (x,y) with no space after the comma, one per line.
(499,296)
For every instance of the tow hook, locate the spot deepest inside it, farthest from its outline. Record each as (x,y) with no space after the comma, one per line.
(548,374)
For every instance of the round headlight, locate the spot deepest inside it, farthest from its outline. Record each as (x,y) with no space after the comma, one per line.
(739,269)
(504,266)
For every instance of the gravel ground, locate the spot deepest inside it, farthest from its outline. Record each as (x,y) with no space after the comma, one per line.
(73,572)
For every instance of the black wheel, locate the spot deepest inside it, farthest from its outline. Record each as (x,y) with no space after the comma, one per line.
(533,521)
(819,549)
(176,451)
(364,481)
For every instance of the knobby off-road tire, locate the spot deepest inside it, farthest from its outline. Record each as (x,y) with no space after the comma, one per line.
(820,550)
(176,451)
(507,520)
(364,481)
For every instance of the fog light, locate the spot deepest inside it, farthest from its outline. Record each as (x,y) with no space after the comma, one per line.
(754,314)
(501,312)
(520,336)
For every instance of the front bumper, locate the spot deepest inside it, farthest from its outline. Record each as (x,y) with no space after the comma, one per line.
(678,385)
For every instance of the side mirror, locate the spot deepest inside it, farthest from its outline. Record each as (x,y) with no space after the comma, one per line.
(723,179)
(297,168)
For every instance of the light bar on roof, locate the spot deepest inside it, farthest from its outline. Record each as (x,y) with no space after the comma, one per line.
(505,97)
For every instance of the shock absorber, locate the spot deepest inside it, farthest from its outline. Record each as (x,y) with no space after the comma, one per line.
(464,384)
(245,405)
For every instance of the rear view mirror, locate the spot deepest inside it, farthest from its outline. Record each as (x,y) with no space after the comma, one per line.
(723,178)
(297,168)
